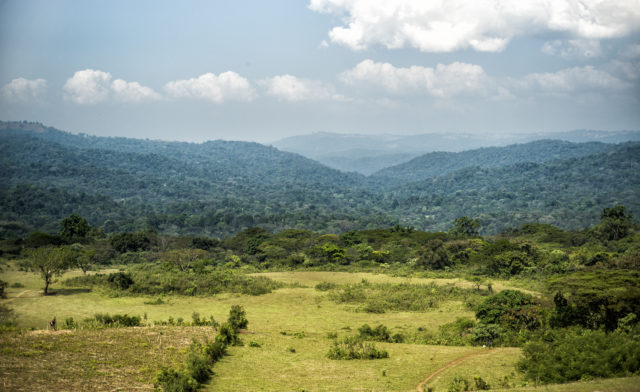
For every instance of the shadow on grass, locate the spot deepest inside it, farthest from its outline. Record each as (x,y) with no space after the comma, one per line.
(69,291)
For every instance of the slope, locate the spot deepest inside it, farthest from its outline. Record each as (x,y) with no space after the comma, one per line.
(440,163)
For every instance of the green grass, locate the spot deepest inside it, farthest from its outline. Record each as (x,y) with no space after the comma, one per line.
(296,318)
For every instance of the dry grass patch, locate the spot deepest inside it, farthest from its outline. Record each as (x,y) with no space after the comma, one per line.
(123,359)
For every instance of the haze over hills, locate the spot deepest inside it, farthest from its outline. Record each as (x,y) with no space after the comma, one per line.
(436,164)
(368,154)
(220,187)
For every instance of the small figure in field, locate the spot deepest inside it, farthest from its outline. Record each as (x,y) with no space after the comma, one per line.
(53,324)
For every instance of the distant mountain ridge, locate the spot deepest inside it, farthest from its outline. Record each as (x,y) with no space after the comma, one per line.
(436,164)
(367,154)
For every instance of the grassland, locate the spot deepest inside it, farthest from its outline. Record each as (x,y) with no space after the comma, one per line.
(291,326)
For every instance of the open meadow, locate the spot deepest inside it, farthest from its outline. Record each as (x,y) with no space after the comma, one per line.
(284,347)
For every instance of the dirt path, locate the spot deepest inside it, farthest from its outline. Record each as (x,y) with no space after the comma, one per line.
(20,294)
(420,386)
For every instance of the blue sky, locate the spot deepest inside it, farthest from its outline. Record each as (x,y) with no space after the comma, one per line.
(263,70)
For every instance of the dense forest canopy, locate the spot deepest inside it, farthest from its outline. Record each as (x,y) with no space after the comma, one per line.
(220,187)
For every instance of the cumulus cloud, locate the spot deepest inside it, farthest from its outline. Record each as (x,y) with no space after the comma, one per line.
(88,87)
(291,88)
(482,25)
(132,91)
(443,81)
(571,80)
(228,86)
(24,90)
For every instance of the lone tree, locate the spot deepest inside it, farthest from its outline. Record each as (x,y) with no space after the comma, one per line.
(465,227)
(49,262)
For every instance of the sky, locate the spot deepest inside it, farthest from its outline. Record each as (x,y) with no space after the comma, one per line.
(264,70)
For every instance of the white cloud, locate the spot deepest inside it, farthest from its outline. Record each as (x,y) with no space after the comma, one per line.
(293,89)
(24,90)
(482,25)
(224,87)
(443,81)
(571,80)
(88,87)
(132,91)
(573,48)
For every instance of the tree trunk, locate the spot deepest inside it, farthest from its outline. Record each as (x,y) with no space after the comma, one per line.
(46,285)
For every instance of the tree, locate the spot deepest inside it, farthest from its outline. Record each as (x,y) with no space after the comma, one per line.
(49,262)
(465,227)
(74,228)
(183,258)
(615,223)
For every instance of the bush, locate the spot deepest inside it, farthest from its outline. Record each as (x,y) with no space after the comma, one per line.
(117,320)
(171,380)
(215,350)
(198,365)
(574,354)
(237,317)
(379,334)
(120,280)
(352,347)
(458,384)
(326,286)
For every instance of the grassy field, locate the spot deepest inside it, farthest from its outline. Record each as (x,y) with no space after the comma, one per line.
(290,325)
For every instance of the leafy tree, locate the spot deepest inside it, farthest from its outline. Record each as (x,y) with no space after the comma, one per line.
(74,228)
(130,242)
(184,258)
(512,310)
(49,262)
(615,223)
(465,227)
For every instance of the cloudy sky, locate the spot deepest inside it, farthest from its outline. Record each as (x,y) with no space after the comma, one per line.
(262,70)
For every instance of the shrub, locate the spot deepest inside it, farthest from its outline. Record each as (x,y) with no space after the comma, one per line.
(198,365)
(171,380)
(481,385)
(120,280)
(379,334)
(214,350)
(458,384)
(352,347)
(237,317)
(253,343)
(117,320)
(326,286)
(574,354)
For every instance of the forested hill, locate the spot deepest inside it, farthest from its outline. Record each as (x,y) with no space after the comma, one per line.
(440,163)
(214,188)
(222,160)
(568,193)
(219,188)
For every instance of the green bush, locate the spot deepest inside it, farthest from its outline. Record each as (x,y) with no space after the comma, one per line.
(352,347)
(458,384)
(379,334)
(117,320)
(237,317)
(198,365)
(171,380)
(574,354)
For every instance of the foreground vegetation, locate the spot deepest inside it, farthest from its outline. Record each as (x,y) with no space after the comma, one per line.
(376,309)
